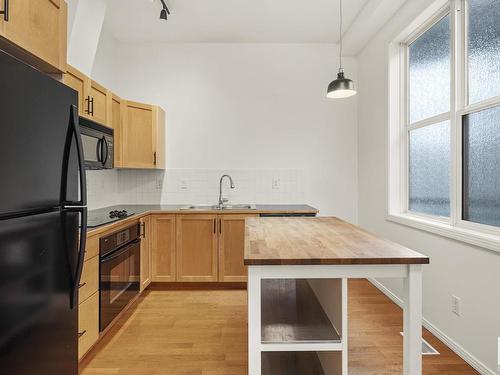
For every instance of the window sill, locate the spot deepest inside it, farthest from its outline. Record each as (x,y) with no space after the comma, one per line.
(472,237)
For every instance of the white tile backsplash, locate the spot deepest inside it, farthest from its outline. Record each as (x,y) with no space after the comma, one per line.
(194,186)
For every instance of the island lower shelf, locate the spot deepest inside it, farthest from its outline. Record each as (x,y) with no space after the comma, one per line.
(291,363)
(292,315)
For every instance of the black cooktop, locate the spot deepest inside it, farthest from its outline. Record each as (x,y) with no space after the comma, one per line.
(101,217)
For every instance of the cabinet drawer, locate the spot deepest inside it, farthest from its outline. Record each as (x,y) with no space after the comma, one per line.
(88,324)
(92,248)
(89,283)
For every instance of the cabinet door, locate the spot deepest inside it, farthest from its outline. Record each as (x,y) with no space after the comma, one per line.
(89,283)
(115,122)
(99,105)
(38,27)
(145,252)
(78,81)
(163,248)
(88,324)
(138,136)
(160,138)
(196,247)
(232,248)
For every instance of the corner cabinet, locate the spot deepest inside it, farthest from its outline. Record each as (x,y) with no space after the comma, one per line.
(143,136)
(163,267)
(35,31)
(115,109)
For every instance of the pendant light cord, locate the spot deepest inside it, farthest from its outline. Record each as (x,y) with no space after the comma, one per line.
(340,32)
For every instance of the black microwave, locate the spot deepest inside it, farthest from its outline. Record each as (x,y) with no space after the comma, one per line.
(98,145)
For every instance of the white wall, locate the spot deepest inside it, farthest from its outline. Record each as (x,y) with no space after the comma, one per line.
(457,269)
(247,107)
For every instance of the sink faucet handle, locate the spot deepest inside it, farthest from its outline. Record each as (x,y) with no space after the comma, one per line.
(224,200)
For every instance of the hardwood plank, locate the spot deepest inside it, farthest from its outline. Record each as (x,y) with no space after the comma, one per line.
(291,313)
(319,240)
(290,363)
(205,333)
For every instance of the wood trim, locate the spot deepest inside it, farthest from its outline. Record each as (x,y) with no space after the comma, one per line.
(197,286)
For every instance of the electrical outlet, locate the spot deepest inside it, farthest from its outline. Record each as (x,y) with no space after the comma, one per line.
(183,185)
(276,183)
(159,183)
(456,305)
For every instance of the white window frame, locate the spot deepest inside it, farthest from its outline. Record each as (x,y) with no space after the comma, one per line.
(398,156)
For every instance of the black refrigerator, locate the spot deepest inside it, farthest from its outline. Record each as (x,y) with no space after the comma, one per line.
(42,222)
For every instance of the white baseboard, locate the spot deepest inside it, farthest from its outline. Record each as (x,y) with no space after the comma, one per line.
(454,346)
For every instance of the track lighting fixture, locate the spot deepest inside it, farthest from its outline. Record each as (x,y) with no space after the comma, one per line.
(164,12)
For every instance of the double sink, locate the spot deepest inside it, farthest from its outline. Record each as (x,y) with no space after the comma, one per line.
(225,207)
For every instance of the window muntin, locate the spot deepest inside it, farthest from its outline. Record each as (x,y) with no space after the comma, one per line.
(481,167)
(483,46)
(429,72)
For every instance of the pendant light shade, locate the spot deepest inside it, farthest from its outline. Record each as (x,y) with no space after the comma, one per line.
(342,87)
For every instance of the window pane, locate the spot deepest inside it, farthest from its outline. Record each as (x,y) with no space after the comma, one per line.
(430,72)
(481,167)
(430,169)
(484,49)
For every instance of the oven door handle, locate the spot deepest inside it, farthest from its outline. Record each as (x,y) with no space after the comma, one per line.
(119,252)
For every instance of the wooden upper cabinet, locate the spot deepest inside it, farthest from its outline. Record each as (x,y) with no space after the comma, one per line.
(163,266)
(98,96)
(145,252)
(77,81)
(196,247)
(143,136)
(93,98)
(232,248)
(35,31)
(115,109)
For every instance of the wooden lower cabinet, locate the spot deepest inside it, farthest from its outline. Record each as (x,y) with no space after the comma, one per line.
(163,267)
(196,247)
(232,248)
(145,252)
(88,324)
(89,282)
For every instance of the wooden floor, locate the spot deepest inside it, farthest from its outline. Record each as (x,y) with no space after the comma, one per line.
(205,333)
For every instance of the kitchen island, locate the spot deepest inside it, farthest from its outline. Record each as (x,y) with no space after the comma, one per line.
(297,292)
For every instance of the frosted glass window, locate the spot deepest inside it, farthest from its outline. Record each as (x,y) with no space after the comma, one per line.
(481,169)
(429,186)
(484,49)
(429,70)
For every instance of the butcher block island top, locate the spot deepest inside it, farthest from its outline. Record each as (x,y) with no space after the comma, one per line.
(321,241)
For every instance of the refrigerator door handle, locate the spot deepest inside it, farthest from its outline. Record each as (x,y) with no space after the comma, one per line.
(81,255)
(74,130)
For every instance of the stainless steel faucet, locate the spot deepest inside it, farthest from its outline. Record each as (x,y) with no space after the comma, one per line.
(224,200)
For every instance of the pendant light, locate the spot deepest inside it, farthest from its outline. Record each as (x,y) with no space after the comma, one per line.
(342,87)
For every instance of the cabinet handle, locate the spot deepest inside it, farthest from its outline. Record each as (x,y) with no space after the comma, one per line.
(80,334)
(214,226)
(92,106)
(143,226)
(220,226)
(87,99)
(154,157)
(81,285)
(5,10)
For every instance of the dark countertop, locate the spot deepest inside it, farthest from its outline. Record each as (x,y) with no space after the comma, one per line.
(141,210)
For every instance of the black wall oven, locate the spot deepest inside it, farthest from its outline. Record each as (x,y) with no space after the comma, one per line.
(120,255)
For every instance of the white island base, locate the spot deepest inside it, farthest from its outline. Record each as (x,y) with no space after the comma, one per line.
(298,317)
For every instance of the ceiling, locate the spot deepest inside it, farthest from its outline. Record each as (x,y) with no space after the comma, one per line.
(230,21)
